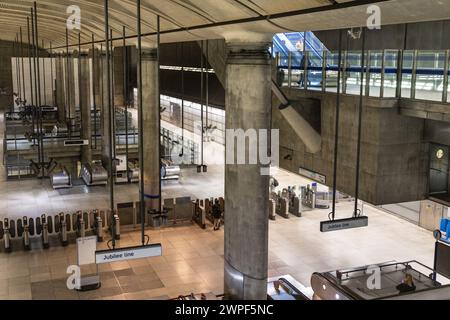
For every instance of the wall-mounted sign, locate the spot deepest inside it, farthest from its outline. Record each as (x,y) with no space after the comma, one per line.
(342,224)
(124,254)
(313,175)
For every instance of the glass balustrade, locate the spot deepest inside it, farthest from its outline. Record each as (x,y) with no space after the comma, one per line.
(410,74)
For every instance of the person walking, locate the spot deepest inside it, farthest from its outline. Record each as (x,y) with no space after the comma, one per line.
(217,214)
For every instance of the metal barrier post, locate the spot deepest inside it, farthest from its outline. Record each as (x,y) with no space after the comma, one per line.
(80,225)
(7,236)
(26,235)
(115,225)
(45,239)
(63,230)
(98,226)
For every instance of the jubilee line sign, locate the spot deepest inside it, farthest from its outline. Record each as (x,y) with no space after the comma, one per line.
(350,223)
(131,253)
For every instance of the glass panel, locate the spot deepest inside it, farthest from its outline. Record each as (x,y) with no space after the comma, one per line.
(315,70)
(332,72)
(375,73)
(390,73)
(430,75)
(353,72)
(282,74)
(408,58)
(297,69)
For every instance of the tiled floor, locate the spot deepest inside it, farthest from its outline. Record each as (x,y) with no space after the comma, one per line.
(192,258)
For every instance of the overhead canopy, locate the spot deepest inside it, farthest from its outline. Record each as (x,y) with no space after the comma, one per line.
(186,20)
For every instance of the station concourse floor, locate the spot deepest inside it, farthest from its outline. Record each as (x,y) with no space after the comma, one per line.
(192,259)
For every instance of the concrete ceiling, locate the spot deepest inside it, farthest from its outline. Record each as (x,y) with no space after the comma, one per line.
(186,20)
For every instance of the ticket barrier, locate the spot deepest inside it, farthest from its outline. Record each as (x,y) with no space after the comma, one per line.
(115,226)
(26,235)
(308,197)
(272,208)
(199,215)
(7,236)
(294,206)
(282,207)
(45,237)
(63,230)
(98,226)
(80,225)
(322,200)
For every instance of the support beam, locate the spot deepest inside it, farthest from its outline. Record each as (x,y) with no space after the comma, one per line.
(248,101)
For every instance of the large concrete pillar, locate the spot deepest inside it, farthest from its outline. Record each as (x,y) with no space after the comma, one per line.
(118,76)
(85,107)
(70,68)
(248,105)
(151,128)
(96,77)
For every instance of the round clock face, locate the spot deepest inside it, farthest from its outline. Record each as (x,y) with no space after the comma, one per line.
(440,154)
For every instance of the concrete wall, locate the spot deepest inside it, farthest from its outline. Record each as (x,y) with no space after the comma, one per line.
(393,156)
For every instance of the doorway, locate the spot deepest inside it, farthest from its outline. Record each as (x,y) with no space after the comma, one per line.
(439,169)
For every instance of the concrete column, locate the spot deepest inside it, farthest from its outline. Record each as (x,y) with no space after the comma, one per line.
(85,108)
(71,87)
(118,76)
(248,105)
(97,73)
(151,128)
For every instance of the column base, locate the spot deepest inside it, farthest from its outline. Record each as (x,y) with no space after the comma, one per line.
(238,286)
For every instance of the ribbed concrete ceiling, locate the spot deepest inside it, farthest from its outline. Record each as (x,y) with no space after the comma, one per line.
(185,20)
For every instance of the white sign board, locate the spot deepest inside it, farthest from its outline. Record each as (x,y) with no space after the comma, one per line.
(360,222)
(86,248)
(106,256)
